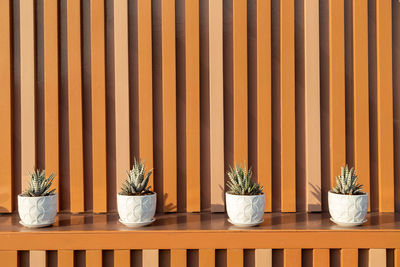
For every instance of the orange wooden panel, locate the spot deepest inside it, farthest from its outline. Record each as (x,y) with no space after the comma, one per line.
(240,133)
(5,108)
(121,76)
(178,257)
(27,58)
(75,106)
(288,127)
(169,105)
(65,258)
(98,82)
(145,80)
(206,257)
(9,258)
(396,257)
(234,257)
(361,92)
(94,258)
(216,98)
(384,105)
(192,57)
(37,258)
(349,257)
(312,105)
(150,258)
(377,257)
(337,114)
(264,137)
(321,257)
(292,257)
(50,48)
(263,258)
(122,258)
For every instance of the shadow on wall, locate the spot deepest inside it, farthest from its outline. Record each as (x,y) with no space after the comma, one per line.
(168,207)
(316,192)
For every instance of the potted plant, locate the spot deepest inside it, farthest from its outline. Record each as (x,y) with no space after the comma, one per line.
(245,200)
(37,206)
(348,205)
(136,202)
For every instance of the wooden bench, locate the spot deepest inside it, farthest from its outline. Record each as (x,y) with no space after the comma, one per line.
(210,236)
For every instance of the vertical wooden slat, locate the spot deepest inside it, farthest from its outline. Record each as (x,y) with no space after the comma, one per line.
(384,105)
(234,257)
(312,106)
(37,258)
(361,91)
(5,108)
(28,133)
(263,258)
(50,43)
(75,105)
(349,257)
(240,133)
(98,82)
(150,258)
(206,258)
(178,257)
(122,257)
(292,257)
(65,258)
(145,81)
(216,105)
(169,105)
(192,58)
(121,74)
(396,257)
(377,257)
(9,258)
(264,141)
(287,107)
(321,257)
(94,258)
(337,114)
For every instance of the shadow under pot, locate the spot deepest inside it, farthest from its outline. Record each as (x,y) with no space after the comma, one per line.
(37,211)
(348,210)
(136,211)
(245,210)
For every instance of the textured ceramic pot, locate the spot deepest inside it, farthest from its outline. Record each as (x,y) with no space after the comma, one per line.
(245,209)
(137,209)
(348,208)
(37,210)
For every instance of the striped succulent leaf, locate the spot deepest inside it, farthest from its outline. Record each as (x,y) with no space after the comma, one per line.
(137,180)
(346,182)
(240,182)
(39,185)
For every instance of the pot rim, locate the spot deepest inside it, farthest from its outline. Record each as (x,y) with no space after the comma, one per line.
(262,194)
(153,193)
(350,196)
(20,195)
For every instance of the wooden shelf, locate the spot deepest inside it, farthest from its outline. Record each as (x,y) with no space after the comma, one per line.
(200,230)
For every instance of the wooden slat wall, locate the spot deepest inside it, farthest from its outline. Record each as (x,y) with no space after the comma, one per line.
(104,116)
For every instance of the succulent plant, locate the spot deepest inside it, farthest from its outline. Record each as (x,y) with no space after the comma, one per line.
(136,183)
(240,182)
(346,182)
(39,185)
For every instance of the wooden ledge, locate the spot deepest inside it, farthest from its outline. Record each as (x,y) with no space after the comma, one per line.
(200,230)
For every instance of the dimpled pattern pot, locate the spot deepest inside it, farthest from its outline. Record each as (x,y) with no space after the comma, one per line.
(348,208)
(245,209)
(37,210)
(136,209)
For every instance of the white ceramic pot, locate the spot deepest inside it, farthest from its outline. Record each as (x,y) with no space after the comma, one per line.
(37,211)
(245,210)
(136,209)
(348,209)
